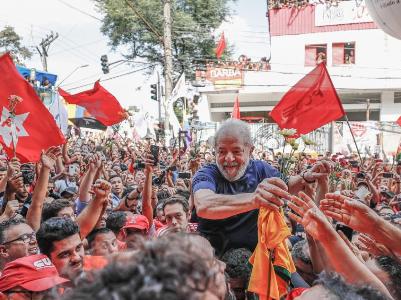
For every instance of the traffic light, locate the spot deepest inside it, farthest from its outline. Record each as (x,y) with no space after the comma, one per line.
(153,92)
(104,61)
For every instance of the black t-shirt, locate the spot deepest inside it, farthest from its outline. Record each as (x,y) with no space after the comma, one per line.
(239,231)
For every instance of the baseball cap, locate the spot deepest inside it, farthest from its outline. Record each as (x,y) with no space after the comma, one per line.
(34,273)
(69,190)
(137,222)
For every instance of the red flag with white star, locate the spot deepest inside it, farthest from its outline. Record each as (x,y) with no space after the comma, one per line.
(102,105)
(25,121)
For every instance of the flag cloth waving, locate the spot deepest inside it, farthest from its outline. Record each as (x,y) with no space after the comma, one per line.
(309,104)
(236,113)
(25,122)
(221,46)
(102,105)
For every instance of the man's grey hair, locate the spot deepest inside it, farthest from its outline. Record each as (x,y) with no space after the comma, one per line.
(234,128)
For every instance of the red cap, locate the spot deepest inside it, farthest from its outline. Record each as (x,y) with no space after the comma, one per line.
(34,273)
(137,222)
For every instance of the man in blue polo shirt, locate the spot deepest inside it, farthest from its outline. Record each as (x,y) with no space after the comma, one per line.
(228,194)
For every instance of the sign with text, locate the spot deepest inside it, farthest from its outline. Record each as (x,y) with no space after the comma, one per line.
(221,77)
(344,12)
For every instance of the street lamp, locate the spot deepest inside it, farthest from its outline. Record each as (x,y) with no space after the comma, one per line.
(69,75)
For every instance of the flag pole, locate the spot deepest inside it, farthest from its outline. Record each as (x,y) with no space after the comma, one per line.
(353,137)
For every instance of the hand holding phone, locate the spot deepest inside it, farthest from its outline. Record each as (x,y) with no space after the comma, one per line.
(154,150)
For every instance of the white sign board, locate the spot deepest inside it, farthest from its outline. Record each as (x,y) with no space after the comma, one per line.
(345,12)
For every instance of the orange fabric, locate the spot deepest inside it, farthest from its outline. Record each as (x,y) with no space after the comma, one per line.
(272,232)
(92,262)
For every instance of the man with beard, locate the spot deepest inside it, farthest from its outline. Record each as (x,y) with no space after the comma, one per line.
(229,193)
(17,239)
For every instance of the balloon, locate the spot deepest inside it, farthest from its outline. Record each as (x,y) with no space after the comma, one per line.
(387,15)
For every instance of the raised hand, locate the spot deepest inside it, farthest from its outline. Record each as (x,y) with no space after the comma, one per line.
(320,171)
(149,162)
(101,189)
(308,214)
(16,182)
(366,243)
(49,158)
(351,212)
(15,165)
(11,208)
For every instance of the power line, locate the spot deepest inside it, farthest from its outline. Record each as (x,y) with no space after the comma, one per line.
(114,77)
(146,22)
(79,10)
(98,74)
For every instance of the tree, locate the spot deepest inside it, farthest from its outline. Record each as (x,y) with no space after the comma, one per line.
(194,22)
(10,41)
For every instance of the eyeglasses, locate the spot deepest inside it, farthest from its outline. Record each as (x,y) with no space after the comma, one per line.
(26,238)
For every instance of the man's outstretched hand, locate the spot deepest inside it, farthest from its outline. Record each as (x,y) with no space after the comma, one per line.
(271,193)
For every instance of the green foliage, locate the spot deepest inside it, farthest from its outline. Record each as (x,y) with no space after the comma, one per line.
(194,22)
(10,41)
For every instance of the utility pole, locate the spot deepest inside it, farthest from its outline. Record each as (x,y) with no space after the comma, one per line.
(168,66)
(44,45)
(367,109)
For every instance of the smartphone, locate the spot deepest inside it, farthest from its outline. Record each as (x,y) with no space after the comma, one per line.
(72,170)
(184,175)
(154,150)
(346,230)
(387,175)
(362,192)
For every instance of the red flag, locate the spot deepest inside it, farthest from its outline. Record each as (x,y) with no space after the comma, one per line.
(311,103)
(35,128)
(236,113)
(102,105)
(398,121)
(221,46)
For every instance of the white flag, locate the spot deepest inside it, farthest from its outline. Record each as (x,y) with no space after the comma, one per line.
(180,89)
(59,112)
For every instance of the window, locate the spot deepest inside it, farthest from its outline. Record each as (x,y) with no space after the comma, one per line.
(344,53)
(315,54)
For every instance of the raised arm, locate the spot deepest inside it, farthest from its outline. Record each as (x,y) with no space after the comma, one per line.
(48,161)
(88,178)
(147,207)
(363,219)
(340,257)
(88,218)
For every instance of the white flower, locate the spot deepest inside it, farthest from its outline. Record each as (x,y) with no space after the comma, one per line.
(288,132)
(308,141)
(295,146)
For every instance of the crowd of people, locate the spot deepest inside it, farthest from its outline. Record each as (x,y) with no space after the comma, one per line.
(112,218)
(244,63)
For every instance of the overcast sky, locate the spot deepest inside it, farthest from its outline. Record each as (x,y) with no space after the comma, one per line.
(80,42)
